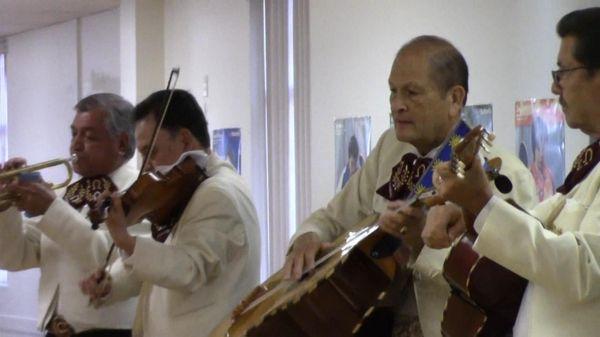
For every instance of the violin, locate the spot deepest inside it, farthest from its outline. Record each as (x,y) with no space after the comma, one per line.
(156,197)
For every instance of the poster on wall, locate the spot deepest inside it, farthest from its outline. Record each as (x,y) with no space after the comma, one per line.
(540,128)
(481,114)
(227,145)
(352,145)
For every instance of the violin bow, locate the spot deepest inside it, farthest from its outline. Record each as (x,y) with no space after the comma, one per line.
(173,77)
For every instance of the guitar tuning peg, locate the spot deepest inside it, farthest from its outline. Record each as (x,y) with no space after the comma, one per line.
(492,166)
(488,136)
(458,167)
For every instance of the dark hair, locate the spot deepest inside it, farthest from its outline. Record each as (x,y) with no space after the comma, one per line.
(584,25)
(353,147)
(184,112)
(119,114)
(447,65)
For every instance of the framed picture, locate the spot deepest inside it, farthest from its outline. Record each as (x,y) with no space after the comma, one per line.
(481,114)
(227,145)
(540,132)
(352,146)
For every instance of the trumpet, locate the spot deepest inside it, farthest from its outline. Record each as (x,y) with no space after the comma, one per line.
(6,198)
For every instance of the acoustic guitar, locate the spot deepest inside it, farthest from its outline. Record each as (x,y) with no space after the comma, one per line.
(485,297)
(336,296)
(331,300)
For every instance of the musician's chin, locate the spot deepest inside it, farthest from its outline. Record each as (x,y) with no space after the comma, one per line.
(405,132)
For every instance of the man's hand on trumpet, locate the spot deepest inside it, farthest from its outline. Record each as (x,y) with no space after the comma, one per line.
(9,165)
(32,197)
(30,193)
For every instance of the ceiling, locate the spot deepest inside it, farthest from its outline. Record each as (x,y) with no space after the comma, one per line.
(17,16)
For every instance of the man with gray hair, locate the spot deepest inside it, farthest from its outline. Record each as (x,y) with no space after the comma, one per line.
(428,85)
(57,236)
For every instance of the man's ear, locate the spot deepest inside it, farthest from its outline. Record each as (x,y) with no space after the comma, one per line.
(123,144)
(456,95)
(187,138)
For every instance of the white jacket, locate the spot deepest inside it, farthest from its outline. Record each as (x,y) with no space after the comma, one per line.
(201,272)
(562,266)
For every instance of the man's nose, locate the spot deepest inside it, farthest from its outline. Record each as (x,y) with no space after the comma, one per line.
(397,105)
(76,144)
(556,89)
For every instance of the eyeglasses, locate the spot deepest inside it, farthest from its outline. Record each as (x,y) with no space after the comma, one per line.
(557,74)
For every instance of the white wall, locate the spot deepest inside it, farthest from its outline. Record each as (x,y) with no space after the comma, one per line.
(47,70)
(141,48)
(99,56)
(510,47)
(212,39)
(42,88)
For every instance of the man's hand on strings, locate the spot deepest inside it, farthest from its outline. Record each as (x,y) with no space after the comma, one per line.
(303,254)
(404,222)
(471,192)
(444,224)
(116,224)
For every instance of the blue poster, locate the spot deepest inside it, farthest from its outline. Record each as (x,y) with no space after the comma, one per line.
(352,145)
(481,114)
(227,145)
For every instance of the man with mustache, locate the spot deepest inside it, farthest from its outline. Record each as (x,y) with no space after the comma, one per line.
(556,247)
(60,240)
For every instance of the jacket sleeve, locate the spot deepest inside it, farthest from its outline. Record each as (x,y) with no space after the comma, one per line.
(73,232)
(210,234)
(68,228)
(20,242)
(565,262)
(124,284)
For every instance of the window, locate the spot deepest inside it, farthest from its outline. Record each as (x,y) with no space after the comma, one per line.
(3,109)
(280,122)
(3,142)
